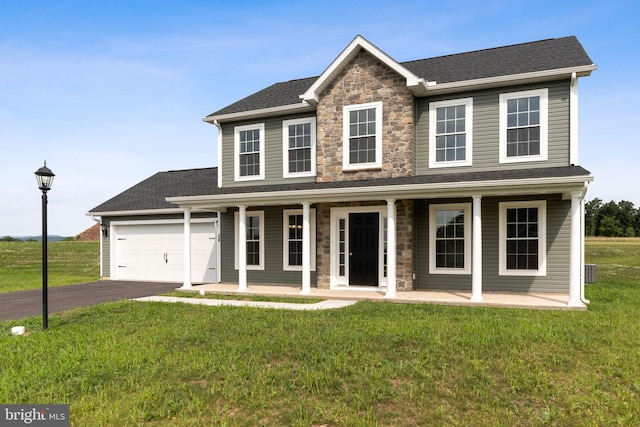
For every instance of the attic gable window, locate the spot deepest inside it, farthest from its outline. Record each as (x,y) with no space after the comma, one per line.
(362,140)
(249,152)
(523,126)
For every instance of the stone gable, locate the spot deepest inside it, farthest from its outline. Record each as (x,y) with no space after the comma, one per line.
(366,79)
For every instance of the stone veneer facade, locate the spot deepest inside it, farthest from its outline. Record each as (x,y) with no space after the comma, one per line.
(366,79)
(404,242)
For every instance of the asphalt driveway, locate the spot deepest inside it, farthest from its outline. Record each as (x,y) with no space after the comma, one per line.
(17,305)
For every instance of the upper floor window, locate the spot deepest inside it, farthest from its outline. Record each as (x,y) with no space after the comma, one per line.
(523,126)
(522,235)
(450,239)
(451,133)
(362,142)
(299,147)
(249,152)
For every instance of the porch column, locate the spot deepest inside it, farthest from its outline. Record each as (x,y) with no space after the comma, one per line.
(391,249)
(306,249)
(575,250)
(187,249)
(476,262)
(242,248)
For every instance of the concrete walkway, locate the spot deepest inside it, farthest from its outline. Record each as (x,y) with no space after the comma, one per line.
(538,301)
(322,305)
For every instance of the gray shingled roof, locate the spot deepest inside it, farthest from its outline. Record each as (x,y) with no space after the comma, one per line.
(151,193)
(549,54)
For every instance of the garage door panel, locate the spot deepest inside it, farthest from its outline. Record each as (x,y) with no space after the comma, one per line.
(155,252)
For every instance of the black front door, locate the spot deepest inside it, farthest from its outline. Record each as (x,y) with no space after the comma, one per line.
(363,249)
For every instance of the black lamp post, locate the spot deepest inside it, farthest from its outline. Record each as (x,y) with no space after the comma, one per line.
(45,179)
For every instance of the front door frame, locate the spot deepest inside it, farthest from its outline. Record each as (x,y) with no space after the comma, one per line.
(340,269)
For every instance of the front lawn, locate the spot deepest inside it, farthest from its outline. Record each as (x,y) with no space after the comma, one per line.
(69,263)
(371,364)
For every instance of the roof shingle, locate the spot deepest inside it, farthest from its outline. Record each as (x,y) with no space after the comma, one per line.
(151,193)
(549,54)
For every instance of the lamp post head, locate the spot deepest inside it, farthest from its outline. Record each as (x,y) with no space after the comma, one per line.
(44,176)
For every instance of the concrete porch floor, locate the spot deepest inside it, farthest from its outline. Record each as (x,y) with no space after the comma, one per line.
(538,301)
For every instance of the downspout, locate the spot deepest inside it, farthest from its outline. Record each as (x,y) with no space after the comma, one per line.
(573,120)
(219,151)
(583,220)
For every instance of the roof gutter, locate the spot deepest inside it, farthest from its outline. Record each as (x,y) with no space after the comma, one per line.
(262,112)
(513,79)
(136,212)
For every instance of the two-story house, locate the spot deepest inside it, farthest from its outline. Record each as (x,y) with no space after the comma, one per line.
(457,172)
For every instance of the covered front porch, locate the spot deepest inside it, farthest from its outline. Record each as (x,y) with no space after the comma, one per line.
(536,301)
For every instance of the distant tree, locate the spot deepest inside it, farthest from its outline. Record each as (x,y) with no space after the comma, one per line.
(611,219)
(626,216)
(610,227)
(592,216)
(10,239)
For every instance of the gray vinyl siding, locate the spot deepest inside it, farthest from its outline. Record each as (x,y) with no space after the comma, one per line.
(486,128)
(273,272)
(273,154)
(106,241)
(558,252)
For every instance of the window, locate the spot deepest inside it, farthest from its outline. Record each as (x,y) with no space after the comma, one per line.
(451,133)
(255,239)
(523,238)
(450,239)
(292,239)
(249,152)
(523,126)
(362,145)
(299,147)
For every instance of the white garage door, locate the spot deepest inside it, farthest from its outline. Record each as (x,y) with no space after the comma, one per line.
(155,252)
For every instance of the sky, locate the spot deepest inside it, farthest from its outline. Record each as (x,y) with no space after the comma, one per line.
(111,92)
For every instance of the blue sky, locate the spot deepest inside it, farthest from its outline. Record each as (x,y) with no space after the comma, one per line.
(110,93)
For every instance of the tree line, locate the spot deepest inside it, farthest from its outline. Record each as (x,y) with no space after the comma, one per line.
(611,219)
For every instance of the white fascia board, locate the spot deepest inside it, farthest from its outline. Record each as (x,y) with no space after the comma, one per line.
(136,212)
(415,83)
(513,79)
(409,191)
(263,112)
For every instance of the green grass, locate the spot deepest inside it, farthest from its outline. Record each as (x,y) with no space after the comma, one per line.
(371,364)
(69,263)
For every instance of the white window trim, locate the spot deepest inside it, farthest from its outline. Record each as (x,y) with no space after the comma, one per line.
(468,104)
(345,139)
(544,125)
(542,238)
(285,147)
(236,152)
(285,239)
(336,280)
(433,208)
(260,215)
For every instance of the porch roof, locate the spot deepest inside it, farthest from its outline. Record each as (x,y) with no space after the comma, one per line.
(489,183)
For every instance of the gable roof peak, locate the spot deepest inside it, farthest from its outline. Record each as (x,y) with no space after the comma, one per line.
(416,84)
